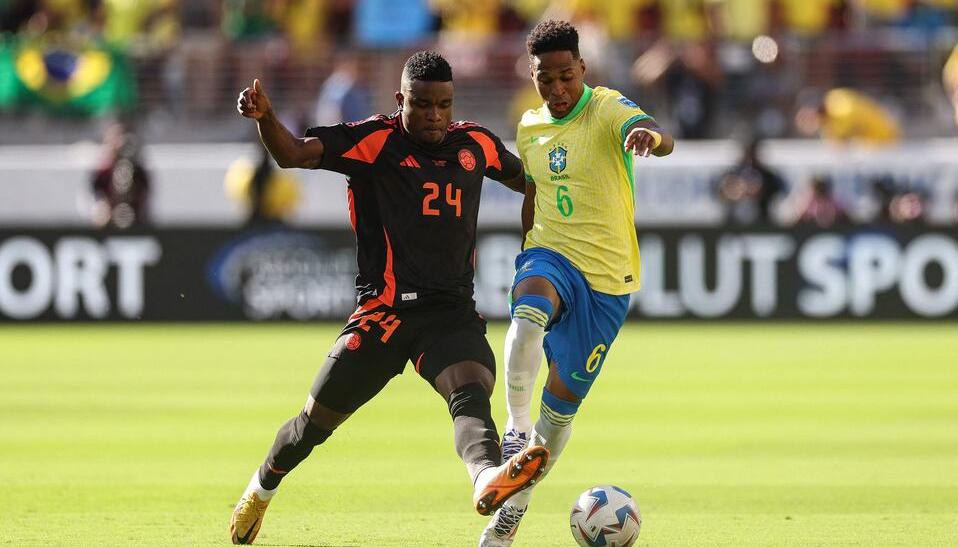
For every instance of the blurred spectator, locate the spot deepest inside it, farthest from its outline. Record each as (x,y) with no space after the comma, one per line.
(684,20)
(690,77)
(339,19)
(121,185)
(303,22)
(849,116)
(619,19)
(342,97)
(144,25)
(909,207)
(820,207)
(15,14)
(70,15)
(884,11)
(247,19)
(807,18)
(896,205)
(467,30)
(474,20)
(883,190)
(269,195)
(388,23)
(927,16)
(949,76)
(739,20)
(749,189)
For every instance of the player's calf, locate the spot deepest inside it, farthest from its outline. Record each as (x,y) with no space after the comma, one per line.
(477,442)
(294,442)
(523,356)
(554,426)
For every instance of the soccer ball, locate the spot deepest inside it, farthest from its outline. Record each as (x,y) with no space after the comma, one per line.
(605,516)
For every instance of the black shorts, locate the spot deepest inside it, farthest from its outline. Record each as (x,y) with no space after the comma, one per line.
(378,341)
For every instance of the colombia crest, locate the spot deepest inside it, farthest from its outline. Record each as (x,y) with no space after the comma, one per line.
(467,160)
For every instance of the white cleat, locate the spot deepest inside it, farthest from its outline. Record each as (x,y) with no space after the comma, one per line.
(501,530)
(513,441)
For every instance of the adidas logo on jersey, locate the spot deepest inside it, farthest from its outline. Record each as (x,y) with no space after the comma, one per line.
(410,162)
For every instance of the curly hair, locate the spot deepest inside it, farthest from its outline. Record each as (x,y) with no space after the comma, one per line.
(553,35)
(427,66)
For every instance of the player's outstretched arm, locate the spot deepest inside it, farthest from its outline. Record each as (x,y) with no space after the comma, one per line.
(645,137)
(287,150)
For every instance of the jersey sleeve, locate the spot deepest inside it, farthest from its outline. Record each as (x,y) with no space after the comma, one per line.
(619,113)
(500,163)
(351,148)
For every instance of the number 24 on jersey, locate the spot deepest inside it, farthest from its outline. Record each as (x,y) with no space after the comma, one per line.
(453,198)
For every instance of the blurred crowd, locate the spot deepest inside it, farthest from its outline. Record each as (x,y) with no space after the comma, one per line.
(707,67)
(865,71)
(753,193)
(145,23)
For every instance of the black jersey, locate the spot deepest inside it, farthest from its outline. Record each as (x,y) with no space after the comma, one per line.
(414,208)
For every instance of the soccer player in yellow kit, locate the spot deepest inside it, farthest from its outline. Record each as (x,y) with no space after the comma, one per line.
(580,259)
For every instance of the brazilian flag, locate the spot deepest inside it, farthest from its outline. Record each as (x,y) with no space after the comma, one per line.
(77,78)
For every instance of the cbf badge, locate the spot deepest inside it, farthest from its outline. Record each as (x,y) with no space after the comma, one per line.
(557,158)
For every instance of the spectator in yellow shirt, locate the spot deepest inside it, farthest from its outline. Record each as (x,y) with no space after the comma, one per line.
(850,116)
(805,18)
(740,20)
(475,18)
(949,76)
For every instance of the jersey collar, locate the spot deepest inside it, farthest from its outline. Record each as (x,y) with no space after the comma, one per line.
(583,100)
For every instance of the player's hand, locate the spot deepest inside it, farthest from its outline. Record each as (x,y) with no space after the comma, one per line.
(642,141)
(253,102)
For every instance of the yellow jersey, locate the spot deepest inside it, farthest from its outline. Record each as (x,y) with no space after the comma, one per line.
(853,116)
(585,198)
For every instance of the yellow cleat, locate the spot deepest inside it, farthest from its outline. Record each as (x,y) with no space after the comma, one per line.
(247,518)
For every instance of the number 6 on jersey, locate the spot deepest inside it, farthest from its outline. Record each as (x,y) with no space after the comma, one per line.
(563,201)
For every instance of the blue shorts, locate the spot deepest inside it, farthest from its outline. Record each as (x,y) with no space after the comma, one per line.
(580,338)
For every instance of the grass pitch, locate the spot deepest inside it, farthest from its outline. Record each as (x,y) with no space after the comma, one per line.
(773,435)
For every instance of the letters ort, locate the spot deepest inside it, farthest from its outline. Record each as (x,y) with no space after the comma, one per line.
(74,274)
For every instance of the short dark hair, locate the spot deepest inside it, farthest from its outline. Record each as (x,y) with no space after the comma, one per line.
(427,66)
(553,35)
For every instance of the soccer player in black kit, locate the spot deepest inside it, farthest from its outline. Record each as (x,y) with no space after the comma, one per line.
(415,180)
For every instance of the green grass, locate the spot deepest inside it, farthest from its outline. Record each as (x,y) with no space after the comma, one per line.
(796,434)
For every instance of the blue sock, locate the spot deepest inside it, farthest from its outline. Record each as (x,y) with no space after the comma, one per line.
(534,308)
(558,411)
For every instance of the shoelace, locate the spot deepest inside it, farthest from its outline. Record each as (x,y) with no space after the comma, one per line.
(513,443)
(507,520)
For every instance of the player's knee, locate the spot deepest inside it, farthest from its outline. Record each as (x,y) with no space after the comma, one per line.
(468,400)
(322,417)
(460,375)
(531,314)
(558,389)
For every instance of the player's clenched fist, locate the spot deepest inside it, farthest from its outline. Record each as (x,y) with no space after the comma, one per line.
(253,102)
